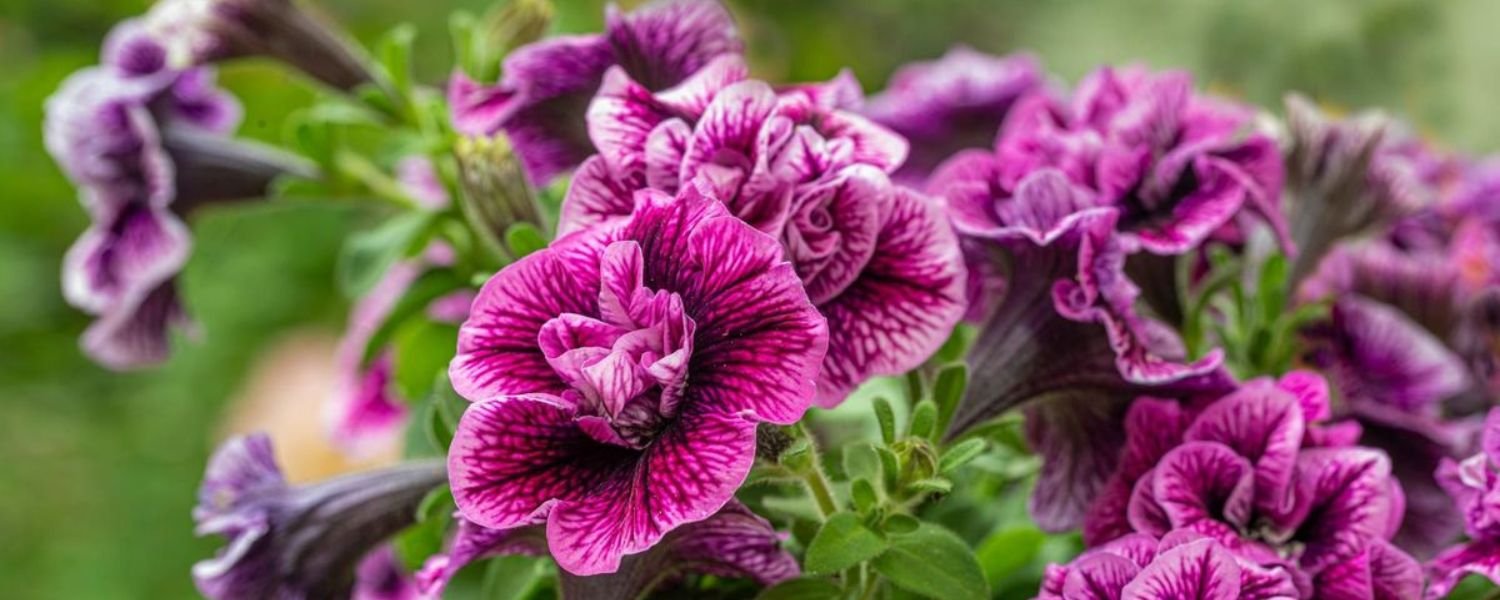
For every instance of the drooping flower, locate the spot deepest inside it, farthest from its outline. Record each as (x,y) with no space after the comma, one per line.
(546,86)
(1061,338)
(619,375)
(876,258)
(380,577)
(1183,564)
(1473,484)
(1176,164)
(1259,472)
(287,541)
(191,33)
(144,150)
(734,543)
(950,104)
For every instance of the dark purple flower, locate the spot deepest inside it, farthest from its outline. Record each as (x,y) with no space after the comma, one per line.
(1177,165)
(380,577)
(619,375)
(190,33)
(545,88)
(734,543)
(876,258)
(1474,485)
(287,541)
(1063,331)
(1255,471)
(952,103)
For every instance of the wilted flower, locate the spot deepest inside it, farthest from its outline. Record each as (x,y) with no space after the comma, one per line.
(197,32)
(1182,564)
(287,541)
(877,259)
(619,375)
(1258,472)
(734,542)
(144,150)
(546,86)
(1063,331)
(956,102)
(1474,485)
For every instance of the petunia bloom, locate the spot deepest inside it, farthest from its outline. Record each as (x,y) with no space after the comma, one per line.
(287,541)
(950,104)
(619,375)
(144,150)
(380,577)
(1182,564)
(192,33)
(877,259)
(546,86)
(1473,484)
(734,543)
(1061,337)
(1261,473)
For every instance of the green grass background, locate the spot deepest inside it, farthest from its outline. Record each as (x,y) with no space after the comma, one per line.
(98,470)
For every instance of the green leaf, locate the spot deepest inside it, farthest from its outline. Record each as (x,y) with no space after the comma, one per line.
(429,286)
(1009,550)
(933,562)
(887,419)
(864,495)
(368,255)
(843,542)
(923,420)
(900,523)
(512,577)
(960,454)
(890,465)
(937,485)
(861,460)
(803,588)
(394,50)
(420,351)
(957,344)
(436,504)
(948,390)
(524,238)
(414,544)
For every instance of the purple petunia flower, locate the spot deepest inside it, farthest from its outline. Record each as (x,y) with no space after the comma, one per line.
(1473,484)
(1177,165)
(546,86)
(1182,564)
(180,34)
(619,375)
(380,577)
(1259,472)
(288,541)
(950,104)
(734,542)
(1062,330)
(876,258)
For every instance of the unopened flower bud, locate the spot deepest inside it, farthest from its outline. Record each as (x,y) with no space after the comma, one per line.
(496,194)
(517,23)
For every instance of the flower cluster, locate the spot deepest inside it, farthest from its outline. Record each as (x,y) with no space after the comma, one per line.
(1250,359)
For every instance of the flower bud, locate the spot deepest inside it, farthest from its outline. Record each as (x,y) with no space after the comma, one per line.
(517,23)
(496,194)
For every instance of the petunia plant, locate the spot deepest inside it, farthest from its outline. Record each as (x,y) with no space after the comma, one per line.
(648,324)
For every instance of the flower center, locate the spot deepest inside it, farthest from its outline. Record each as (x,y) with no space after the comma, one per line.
(627,369)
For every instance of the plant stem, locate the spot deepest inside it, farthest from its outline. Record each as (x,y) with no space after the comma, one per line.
(817,482)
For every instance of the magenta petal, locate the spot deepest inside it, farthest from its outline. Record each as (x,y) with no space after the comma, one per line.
(1099,576)
(1200,481)
(1350,501)
(497,345)
(473,542)
(1265,426)
(687,474)
(124,257)
(1152,428)
(1449,568)
(903,304)
(665,41)
(833,227)
(1376,354)
(477,109)
(595,196)
(1200,570)
(728,132)
(514,457)
(136,334)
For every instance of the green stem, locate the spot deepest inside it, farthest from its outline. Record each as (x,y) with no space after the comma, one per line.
(385,187)
(817,482)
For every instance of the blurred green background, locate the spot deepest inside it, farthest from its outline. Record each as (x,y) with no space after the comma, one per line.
(98,470)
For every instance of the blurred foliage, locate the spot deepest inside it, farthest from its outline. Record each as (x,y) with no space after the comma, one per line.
(100,468)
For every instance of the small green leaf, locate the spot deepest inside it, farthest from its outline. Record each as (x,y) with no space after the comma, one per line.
(803,588)
(861,460)
(864,495)
(843,542)
(414,544)
(890,466)
(394,50)
(933,562)
(948,390)
(900,523)
(960,454)
(420,351)
(437,503)
(957,344)
(936,485)
(368,255)
(887,419)
(512,577)
(1007,551)
(524,238)
(923,420)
